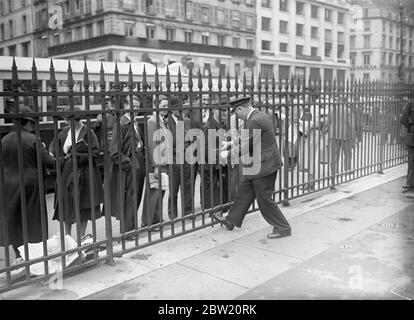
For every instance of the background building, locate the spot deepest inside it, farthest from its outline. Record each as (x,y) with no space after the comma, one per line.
(16,28)
(305,39)
(376,43)
(216,35)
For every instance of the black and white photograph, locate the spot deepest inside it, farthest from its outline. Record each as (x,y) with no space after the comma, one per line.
(206,155)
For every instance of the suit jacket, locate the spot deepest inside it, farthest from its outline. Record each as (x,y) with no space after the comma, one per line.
(269,160)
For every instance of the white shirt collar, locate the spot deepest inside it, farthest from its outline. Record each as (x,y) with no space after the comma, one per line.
(250,113)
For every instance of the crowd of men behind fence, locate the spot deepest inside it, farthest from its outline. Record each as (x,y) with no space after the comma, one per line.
(130,146)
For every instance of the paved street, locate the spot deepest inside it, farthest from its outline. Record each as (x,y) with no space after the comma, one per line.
(354,243)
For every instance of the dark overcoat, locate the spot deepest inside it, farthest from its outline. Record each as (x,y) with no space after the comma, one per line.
(84,185)
(268,160)
(123,162)
(11,188)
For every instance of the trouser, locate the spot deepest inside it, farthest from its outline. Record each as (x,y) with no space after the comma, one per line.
(337,146)
(153,203)
(261,189)
(174,185)
(130,211)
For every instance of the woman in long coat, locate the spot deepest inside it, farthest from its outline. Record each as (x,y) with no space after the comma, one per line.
(11,188)
(68,177)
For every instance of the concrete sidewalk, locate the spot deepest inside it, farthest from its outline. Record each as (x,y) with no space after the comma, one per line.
(349,243)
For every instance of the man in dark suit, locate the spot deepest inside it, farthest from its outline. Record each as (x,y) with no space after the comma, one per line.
(175,183)
(256,183)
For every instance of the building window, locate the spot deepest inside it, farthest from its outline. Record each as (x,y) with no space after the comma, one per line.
(366,77)
(328,34)
(235,18)
(236,42)
(266,45)
(365,13)
(352,58)
(88,6)
(78,34)
(284,72)
(150,32)
(341,37)
(99,5)
(89,31)
(100,28)
(188,9)
(68,36)
(283,27)
(77,5)
(384,41)
(367,59)
(169,34)
(352,42)
(391,42)
(24,22)
(314,33)
(300,8)
(410,61)
(283,47)
(129,28)
(314,51)
(299,50)
(56,39)
(391,59)
(367,42)
(266,3)
(341,50)
(1,32)
(249,43)
(328,15)
(204,40)
(11,28)
(220,40)
(205,14)
(12,51)
(314,11)
(266,23)
(249,21)
(266,71)
(384,58)
(283,6)
(220,17)
(328,49)
(299,30)
(188,37)
(367,25)
(341,18)
(26,49)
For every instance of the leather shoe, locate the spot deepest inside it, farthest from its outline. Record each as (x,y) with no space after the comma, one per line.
(222,220)
(277,234)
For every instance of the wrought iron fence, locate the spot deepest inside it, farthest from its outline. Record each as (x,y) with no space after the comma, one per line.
(328,133)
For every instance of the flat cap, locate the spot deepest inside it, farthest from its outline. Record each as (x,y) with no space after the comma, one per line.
(239,102)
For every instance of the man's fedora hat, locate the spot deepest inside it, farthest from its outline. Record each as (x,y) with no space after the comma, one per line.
(24,110)
(239,102)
